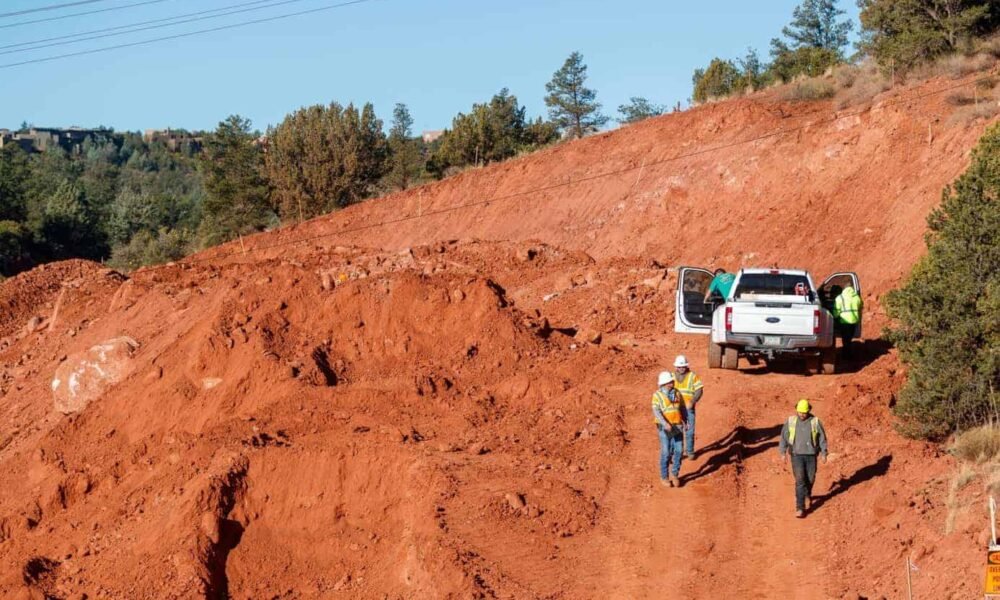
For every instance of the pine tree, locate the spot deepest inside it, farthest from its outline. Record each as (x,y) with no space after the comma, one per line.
(322,158)
(815,25)
(15,174)
(948,312)
(491,132)
(904,33)
(814,40)
(639,109)
(237,201)
(405,150)
(572,105)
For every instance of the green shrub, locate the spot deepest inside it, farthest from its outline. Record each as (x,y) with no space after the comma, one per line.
(948,312)
(146,249)
(721,79)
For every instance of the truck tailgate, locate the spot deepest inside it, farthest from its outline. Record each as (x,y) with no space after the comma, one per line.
(773,318)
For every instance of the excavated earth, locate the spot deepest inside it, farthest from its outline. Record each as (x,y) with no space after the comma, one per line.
(444,393)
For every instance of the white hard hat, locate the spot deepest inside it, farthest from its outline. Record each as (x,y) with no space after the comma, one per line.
(681,361)
(665,378)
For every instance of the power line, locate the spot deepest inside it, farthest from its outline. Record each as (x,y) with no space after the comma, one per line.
(184,35)
(135,27)
(80,14)
(45,8)
(476,203)
(82,33)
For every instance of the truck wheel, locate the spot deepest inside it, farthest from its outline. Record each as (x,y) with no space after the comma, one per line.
(730,358)
(714,355)
(828,361)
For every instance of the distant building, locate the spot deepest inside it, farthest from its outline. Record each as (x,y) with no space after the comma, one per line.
(430,137)
(174,139)
(40,139)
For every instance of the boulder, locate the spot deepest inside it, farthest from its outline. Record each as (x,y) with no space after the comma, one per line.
(85,376)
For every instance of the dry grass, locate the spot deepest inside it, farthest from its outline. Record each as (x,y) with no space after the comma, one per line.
(954,66)
(973,112)
(859,84)
(990,46)
(978,445)
(964,476)
(809,90)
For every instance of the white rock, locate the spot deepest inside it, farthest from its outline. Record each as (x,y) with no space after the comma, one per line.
(84,377)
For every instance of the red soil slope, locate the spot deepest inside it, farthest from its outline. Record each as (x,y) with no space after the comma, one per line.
(389,414)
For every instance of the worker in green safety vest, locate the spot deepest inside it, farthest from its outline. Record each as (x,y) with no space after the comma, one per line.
(803,440)
(847,307)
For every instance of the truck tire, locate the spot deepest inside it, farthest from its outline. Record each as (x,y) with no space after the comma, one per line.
(828,361)
(714,355)
(730,358)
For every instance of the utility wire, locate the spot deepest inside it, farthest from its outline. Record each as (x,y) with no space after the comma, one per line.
(135,27)
(476,203)
(184,35)
(83,33)
(50,7)
(80,14)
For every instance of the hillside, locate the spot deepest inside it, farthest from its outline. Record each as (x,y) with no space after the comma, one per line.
(410,399)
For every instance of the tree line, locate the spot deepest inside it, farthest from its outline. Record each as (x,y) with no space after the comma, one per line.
(131,201)
(898,35)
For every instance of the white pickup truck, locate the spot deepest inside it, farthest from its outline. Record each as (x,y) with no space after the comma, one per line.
(768,313)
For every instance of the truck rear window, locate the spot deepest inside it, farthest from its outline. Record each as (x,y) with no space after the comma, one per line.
(772,285)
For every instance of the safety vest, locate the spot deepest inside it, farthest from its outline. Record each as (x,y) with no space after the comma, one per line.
(670,407)
(847,307)
(687,386)
(814,425)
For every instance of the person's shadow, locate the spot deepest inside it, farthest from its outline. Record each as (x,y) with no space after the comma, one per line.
(740,444)
(876,469)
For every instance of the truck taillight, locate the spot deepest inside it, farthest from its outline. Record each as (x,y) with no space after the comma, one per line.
(729,319)
(816,321)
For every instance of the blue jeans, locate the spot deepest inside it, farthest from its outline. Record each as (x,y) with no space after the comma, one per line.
(670,448)
(689,434)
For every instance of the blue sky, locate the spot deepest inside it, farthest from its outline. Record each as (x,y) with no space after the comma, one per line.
(437,56)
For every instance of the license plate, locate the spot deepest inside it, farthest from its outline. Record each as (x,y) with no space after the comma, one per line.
(772,340)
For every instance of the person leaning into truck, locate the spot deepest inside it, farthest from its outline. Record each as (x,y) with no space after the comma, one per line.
(670,416)
(722,282)
(847,307)
(803,438)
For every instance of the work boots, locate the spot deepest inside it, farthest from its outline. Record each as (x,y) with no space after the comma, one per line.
(675,481)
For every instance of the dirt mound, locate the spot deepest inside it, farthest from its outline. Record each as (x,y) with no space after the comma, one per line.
(747,182)
(424,417)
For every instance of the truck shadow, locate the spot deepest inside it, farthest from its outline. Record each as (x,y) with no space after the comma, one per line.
(863,353)
(738,445)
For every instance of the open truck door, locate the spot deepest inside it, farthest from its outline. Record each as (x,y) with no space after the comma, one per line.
(691,313)
(828,295)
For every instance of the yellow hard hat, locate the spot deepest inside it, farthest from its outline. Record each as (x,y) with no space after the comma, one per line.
(803,406)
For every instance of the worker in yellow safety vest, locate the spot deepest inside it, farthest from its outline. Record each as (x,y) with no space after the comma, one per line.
(691,388)
(802,439)
(847,307)
(670,416)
